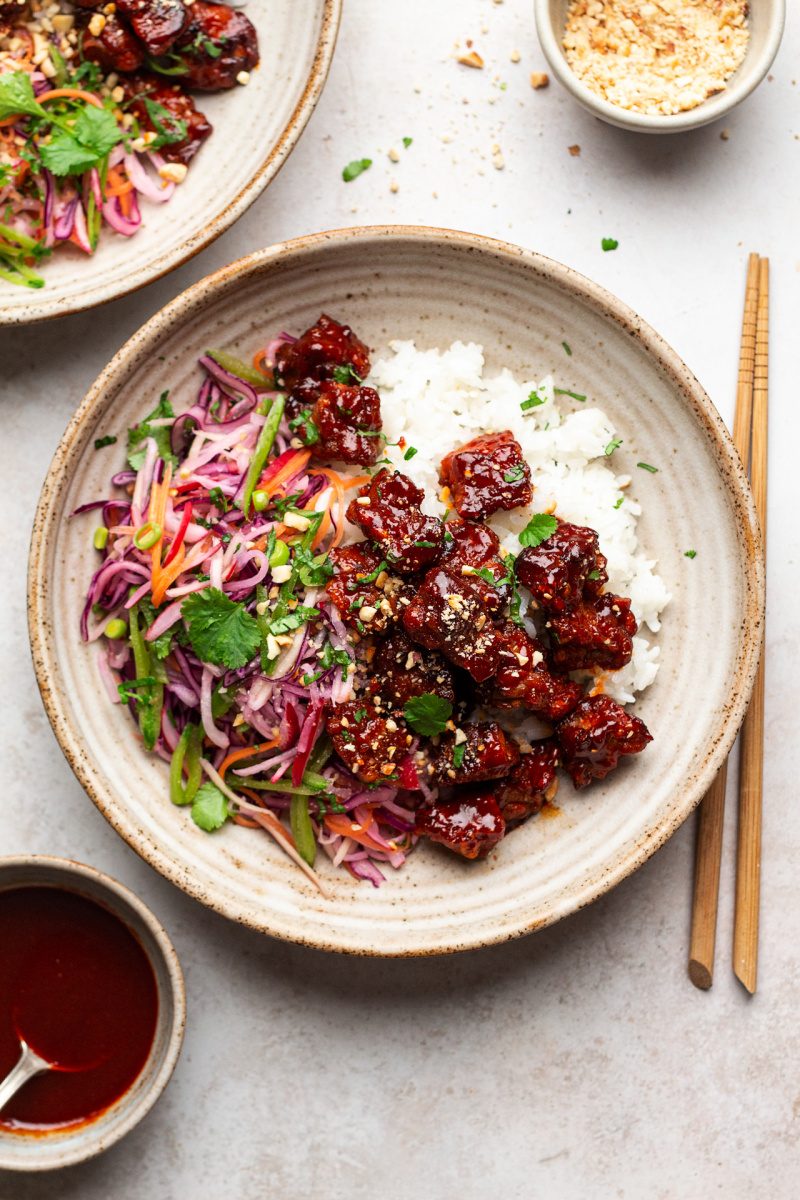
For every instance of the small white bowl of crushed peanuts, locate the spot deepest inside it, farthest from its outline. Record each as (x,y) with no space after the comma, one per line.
(660,66)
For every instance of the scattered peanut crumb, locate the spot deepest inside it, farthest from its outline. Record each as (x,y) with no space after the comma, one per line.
(173,172)
(726,133)
(658,57)
(393,155)
(514,56)
(574,150)
(393,186)
(243,77)
(473,59)
(498,161)
(539,79)
(97,24)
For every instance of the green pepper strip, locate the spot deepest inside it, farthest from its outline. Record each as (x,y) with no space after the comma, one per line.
(229,362)
(149,709)
(188,747)
(302,831)
(263,447)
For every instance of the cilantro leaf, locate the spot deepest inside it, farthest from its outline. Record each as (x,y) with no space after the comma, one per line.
(169,128)
(539,528)
(97,129)
(142,431)
(294,619)
(514,475)
(619,502)
(64,154)
(16,96)
(458,754)
(93,135)
(210,808)
(220,630)
(108,440)
(612,446)
(689,553)
(609,243)
(407,142)
(310,572)
(346,374)
(355,168)
(427,714)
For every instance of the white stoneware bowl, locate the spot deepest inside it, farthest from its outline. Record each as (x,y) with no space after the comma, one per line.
(434,286)
(43,1152)
(255,130)
(765,21)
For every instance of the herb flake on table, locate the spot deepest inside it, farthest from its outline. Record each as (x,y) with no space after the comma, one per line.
(356,168)
(609,243)
(647,467)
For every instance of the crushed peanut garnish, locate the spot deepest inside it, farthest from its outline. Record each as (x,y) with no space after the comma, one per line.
(657,57)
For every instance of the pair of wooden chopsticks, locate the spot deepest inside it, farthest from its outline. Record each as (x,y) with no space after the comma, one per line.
(750,439)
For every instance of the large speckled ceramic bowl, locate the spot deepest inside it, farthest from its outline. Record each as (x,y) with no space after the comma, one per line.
(255,130)
(765,22)
(433,286)
(63,1147)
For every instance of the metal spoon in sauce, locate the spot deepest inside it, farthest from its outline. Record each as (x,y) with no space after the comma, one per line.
(28,1064)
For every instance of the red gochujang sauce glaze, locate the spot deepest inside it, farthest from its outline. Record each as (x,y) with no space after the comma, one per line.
(76,984)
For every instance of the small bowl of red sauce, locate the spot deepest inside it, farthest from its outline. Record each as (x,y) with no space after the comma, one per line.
(91,982)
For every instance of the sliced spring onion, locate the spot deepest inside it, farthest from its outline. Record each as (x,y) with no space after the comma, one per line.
(147,535)
(100,537)
(115,629)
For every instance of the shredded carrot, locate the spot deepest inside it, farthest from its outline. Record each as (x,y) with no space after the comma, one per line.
(345,826)
(275,482)
(157,515)
(71,93)
(168,575)
(245,752)
(117,184)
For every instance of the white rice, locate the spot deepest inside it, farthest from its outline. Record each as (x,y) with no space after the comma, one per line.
(437,400)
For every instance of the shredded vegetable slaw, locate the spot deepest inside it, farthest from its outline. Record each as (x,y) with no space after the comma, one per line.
(214,627)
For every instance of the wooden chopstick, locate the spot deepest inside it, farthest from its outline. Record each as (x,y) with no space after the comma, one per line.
(748,854)
(712,807)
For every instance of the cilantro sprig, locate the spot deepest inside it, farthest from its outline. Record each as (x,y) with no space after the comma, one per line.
(428,714)
(540,527)
(139,434)
(220,630)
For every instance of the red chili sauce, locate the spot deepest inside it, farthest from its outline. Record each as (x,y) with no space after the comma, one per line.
(76,984)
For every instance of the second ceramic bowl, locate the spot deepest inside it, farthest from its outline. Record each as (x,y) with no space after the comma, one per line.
(765,21)
(62,1148)
(433,286)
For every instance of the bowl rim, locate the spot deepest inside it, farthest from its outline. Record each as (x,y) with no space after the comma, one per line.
(693,118)
(50,309)
(51,866)
(202,296)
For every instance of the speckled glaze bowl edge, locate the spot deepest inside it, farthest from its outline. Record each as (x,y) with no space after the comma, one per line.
(90,1140)
(46,310)
(141,345)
